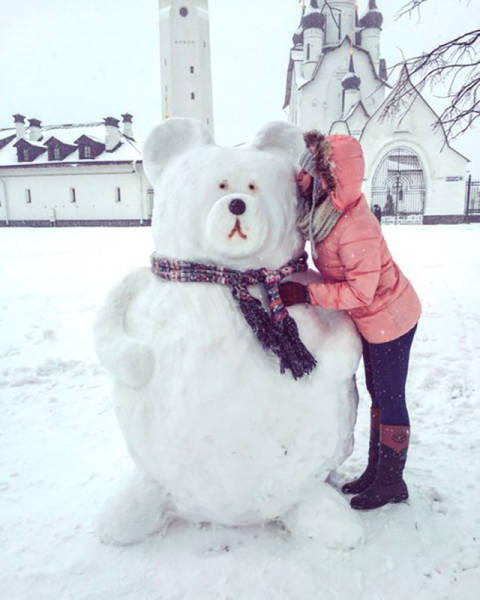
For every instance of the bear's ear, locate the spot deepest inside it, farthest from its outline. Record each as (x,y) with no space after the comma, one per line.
(171,139)
(280,138)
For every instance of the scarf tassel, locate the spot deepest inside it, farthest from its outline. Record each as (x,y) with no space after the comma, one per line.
(281,338)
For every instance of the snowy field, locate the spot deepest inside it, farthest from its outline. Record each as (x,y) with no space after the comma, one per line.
(61,452)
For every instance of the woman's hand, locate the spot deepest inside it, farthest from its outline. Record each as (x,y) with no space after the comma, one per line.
(292,293)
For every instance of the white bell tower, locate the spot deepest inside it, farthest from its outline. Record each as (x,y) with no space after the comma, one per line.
(185,71)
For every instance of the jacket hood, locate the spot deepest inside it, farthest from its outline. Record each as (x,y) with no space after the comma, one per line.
(348,166)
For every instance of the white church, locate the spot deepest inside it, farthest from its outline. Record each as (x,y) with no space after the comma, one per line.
(337,83)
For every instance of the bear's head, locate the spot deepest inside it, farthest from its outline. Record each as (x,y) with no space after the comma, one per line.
(231,206)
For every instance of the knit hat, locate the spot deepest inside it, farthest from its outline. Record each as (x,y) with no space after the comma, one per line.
(307,162)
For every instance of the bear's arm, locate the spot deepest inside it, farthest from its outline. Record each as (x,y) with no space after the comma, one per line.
(128,360)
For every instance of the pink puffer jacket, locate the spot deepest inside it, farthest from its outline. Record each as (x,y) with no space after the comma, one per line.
(359,273)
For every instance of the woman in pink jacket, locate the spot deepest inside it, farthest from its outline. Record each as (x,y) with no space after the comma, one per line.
(360,277)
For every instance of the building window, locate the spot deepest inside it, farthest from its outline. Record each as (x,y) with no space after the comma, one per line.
(150,199)
(204,44)
(192,95)
(184,11)
(28,196)
(308,51)
(73,196)
(26,154)
(87,152)
(192,69)
(340,26)
(118,195)
(56,153)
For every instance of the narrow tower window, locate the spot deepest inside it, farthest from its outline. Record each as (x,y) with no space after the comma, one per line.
(118,195)
(192,95)
(73,196)
(308,51)
(28,196)
(150,198)
(192,69)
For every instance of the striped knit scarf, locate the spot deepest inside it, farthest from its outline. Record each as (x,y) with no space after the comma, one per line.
(317,219)
(276,331)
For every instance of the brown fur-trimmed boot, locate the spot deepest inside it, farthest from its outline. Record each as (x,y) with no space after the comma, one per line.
(366,478)
(388,485)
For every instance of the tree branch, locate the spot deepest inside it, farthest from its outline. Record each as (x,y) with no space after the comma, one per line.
(454,63)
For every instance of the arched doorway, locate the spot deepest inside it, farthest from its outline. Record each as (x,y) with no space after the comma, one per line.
(398,187)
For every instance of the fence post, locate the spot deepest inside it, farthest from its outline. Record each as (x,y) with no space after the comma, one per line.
(467,205)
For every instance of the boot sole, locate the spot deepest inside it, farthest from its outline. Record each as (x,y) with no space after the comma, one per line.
(397,500)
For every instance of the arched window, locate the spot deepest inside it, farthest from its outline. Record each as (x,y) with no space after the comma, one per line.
(398,186)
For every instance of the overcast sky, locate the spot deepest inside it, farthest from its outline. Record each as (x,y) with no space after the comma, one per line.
(65,61)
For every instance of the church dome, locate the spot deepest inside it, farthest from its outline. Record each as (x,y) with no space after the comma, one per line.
(313,18)
(351,80)
(373,18)
(298,37)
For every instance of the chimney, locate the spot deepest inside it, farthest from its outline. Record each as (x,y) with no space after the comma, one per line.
(112,134)
(19,125)
(35,130)
(127,126)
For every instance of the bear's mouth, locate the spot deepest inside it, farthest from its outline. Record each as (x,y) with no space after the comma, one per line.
(237,228)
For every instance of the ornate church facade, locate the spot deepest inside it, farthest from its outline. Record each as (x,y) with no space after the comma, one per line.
(337,83)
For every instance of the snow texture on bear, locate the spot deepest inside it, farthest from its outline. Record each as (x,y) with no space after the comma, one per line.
(217,432)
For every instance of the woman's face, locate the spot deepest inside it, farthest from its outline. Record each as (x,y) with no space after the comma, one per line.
(304,180)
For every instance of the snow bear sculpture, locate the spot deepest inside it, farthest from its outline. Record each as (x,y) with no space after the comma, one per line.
(217,432)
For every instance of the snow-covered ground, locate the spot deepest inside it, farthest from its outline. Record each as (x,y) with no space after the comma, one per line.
(61,452)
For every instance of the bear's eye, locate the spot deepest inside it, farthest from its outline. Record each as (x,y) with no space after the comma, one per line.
(252,187)
(223,185)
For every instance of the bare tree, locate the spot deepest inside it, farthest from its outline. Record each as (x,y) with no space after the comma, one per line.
(453,65)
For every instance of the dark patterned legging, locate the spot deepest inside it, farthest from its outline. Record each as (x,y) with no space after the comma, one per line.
(386,369)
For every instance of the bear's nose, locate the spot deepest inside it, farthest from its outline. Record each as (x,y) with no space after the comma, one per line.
(237,206)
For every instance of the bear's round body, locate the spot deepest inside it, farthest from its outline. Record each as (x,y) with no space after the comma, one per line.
(230,438)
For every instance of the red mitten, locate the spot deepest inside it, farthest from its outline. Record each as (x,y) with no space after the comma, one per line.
(294,293)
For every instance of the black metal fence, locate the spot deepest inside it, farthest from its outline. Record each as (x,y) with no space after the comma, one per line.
(472,200)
